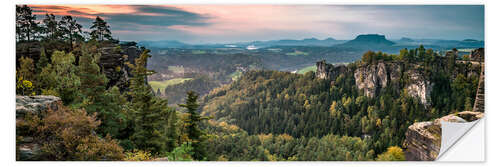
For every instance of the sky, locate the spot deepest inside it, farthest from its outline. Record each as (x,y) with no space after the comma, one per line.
(240,23)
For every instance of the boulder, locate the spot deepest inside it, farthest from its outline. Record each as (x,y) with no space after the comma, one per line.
(423,139)
(36,104)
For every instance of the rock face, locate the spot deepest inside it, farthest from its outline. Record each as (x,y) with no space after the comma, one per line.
(27,149)
(36,104)
(329,71)
(479,102)
(113,63)
(477,55)
(419,87)
(372,78)
(423,139)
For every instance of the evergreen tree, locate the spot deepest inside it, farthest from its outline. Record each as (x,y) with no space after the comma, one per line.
(93,82)
(71,29)
(195,134)
(26,27)
(60,77)
(51,27)
(100,30)
(151,116)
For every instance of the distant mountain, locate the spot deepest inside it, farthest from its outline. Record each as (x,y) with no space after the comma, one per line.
(441,43)
(163,44)
(292,42)
(253,44)
(365,41)
(405,39)
(368,41)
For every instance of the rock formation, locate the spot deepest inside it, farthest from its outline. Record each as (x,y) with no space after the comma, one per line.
(329,71)
(113,63)
(27,149)
(477,55)
(372,78)
(36,104)
(479,102)
(423,139)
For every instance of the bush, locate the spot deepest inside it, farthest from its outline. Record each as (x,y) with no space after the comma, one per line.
(70,135)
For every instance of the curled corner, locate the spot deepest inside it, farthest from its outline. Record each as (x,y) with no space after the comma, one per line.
(451,132)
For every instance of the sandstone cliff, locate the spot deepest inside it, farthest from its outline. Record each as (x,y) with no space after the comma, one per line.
(113,63)
(371,78)
(423,139)
(27,148)
(329,71)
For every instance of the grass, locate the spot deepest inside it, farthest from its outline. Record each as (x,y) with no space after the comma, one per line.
(197,52)
(235,75)
(307,69)
(176,69)
(297,53)
(163,84)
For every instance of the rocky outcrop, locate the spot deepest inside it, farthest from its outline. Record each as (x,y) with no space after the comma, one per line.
(329,71)
(477,55)
(419,87)
(113,63)
(423,139)
(479,102)
(36,104)
(27,148)
(372,78)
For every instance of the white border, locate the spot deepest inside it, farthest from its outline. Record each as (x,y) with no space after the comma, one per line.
(8,84)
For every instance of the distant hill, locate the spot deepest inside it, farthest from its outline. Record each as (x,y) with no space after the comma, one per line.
(292,42)
(440,43)
(364,41)
(368,40)
(163,44)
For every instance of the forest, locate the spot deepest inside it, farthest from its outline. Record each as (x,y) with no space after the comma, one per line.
(263,114)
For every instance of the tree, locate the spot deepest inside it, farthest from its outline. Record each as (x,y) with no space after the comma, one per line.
(60,77)
(100,30)
(71,29)
(26,27)
(195,134)
(25,75)
(93,81)
(393,153)
(152,118)
(51,27)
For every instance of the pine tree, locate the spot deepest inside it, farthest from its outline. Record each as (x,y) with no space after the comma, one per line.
(93,82)
(195,134)
(100,30)
(152,118)
(26,27)
(51,27)
(71,29)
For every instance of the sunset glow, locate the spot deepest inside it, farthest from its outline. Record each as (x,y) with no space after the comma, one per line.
(226,23)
